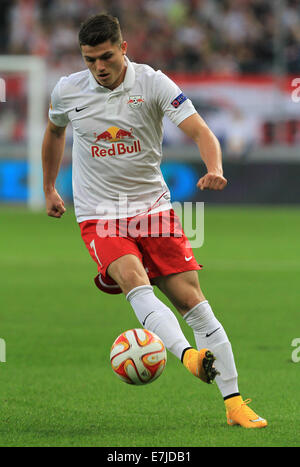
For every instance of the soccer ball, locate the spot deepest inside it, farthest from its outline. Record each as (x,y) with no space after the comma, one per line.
(138,356)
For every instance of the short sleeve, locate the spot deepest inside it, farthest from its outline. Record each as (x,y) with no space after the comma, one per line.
(57,114)
(171,100)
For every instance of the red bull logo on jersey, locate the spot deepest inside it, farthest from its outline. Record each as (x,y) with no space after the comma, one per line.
(122,142)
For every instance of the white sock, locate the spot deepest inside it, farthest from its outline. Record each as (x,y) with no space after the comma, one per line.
(209,333)
(155,316)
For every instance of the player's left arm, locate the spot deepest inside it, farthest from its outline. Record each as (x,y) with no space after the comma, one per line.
(210,151)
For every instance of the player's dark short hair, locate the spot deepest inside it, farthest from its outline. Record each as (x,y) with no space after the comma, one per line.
(98,29)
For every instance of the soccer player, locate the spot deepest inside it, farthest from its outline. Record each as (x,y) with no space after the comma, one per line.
(116,109)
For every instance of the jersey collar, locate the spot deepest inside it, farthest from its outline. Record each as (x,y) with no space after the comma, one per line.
(126,85)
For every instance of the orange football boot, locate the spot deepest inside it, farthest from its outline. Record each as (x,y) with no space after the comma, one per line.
(200,364)
(238,413)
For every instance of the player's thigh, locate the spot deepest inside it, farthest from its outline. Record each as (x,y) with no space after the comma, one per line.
(182,289)
(129,272)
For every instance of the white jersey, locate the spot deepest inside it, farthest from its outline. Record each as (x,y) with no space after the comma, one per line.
(117,139)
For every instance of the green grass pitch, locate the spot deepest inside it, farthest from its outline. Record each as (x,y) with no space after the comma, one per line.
(57,387)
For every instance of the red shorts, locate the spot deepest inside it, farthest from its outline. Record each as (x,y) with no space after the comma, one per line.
(157,240)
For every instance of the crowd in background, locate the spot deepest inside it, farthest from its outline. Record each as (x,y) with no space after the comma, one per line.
(224,37)
(210,36)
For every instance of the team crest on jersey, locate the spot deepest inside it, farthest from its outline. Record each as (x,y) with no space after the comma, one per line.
(135,101)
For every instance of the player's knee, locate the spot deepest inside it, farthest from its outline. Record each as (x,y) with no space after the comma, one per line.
(131,278)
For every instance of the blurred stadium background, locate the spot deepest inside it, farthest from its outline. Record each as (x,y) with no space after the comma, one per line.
(238,60)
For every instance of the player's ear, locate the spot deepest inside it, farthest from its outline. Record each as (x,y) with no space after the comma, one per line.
(124,47)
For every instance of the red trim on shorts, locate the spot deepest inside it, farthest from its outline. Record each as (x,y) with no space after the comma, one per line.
(106,284)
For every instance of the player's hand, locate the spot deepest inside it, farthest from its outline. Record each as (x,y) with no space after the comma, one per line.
(212,181)
(54,204)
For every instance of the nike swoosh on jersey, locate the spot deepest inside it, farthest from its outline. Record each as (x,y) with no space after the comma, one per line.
(80,109)
(188,259)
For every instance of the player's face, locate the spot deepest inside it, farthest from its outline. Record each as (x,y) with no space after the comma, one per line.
(106,62)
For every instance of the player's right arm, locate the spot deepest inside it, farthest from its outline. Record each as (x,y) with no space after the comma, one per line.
(52,154)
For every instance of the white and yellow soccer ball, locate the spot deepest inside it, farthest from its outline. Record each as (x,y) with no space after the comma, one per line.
(138,356)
